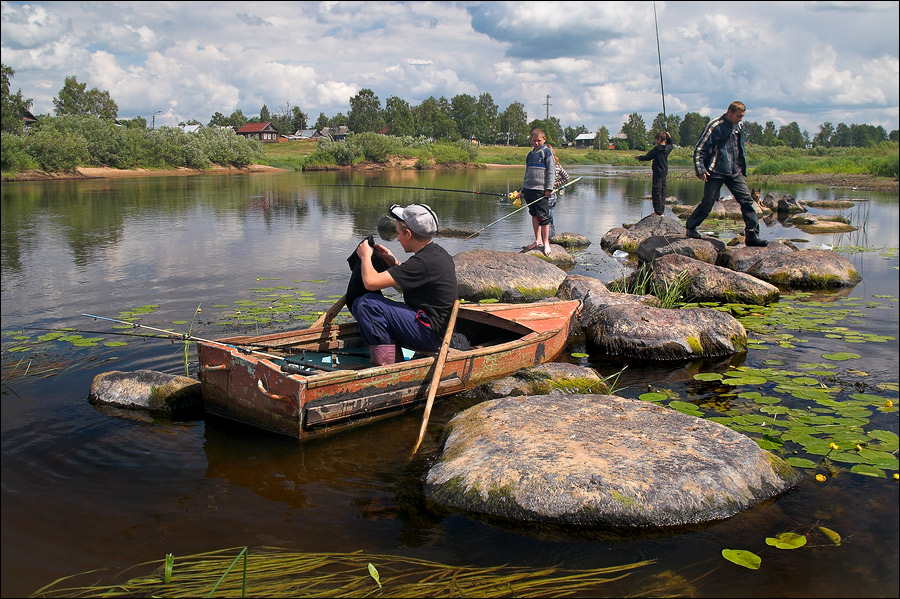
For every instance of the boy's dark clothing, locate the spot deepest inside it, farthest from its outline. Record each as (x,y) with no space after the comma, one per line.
(720,155)
(660,169)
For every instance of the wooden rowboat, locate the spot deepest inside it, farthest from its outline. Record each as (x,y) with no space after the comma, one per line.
(304,383)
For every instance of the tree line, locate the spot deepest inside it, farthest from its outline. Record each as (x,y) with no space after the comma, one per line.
(463,117)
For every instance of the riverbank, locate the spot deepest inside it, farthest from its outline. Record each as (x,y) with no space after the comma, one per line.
(859,182)
(117,173)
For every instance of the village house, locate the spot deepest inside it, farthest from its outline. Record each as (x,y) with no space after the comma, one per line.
(336,133)
(263,132)
(584,140)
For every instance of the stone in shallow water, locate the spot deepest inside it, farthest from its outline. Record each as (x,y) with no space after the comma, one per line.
(600,460)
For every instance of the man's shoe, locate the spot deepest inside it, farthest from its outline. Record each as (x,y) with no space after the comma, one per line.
(692,233)
(752,239)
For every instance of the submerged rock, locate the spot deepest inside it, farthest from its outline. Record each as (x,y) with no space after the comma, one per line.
(600,460)
(543,379)
(149,390)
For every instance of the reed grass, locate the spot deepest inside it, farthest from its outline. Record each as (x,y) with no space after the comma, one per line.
(671,294)
(277,572)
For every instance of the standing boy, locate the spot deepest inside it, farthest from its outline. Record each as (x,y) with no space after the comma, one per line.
(719,159)
(540,176)
(660,168)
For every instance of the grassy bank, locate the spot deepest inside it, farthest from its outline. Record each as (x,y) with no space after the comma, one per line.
(877,161)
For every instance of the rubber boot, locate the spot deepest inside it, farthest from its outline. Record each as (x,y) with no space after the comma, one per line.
(692,233)
(382,354)
(398,353)
(752,239)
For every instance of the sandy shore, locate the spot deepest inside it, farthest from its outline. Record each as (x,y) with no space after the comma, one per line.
(859,182)
(116,173)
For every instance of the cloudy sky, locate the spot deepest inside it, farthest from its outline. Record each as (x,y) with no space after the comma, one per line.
(809,62)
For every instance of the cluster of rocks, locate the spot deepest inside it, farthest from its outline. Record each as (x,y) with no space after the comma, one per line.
(549,444)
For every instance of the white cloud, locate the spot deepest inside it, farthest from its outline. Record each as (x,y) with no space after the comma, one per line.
(597,60)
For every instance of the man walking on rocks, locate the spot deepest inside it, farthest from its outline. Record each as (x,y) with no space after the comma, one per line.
(719,159)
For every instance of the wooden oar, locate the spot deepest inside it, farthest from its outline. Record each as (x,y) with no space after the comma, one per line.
(329,314)
(436,377)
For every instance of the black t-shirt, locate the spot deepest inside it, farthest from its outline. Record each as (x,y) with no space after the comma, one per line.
(428,282)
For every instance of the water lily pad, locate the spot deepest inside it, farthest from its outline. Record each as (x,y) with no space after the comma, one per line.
(742,557)
(832,536)
(801,462)
(786,540)
(867,470)
(708,376)
(841,356)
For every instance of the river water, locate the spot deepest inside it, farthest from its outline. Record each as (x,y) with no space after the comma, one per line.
(85,489)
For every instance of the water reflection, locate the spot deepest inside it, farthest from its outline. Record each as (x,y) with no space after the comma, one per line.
(84,490)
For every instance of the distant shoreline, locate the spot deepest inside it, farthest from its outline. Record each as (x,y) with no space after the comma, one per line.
(860,182)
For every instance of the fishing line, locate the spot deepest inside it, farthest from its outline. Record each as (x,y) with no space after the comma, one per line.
(662,89)
(185,336)
(511,213)
(483,193)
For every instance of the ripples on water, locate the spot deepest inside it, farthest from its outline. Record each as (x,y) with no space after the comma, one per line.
(84,488)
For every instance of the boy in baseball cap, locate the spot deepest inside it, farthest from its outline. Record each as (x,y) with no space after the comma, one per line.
(427,280)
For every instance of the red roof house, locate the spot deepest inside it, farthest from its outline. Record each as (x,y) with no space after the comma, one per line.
(264,132)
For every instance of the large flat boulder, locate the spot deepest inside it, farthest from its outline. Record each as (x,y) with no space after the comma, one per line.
(808,269)
(600,460)
(506,276)
(643,332)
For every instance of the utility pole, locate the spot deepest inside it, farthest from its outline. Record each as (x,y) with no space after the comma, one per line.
(547,118)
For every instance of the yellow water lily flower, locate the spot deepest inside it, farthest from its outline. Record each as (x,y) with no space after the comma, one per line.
(820,478)
(888,404)
(834,446)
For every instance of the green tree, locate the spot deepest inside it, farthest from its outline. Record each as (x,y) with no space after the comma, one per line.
(137,122)
(218,120)
(753,132)
(13,106)
(512,125)
(322,121)
(399,117)
(635,132)
(790,135)
(692,128)
(769,136)
(75,100)
(365,113)
(601,140)
(823,137)
(841,137)
(464,112)
(670,123)
(264,115)
(237,119)
(487,129)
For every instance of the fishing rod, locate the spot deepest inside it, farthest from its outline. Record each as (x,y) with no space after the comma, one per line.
(70,330)
(662,88)
(483,193)
(561,187)
(185,336)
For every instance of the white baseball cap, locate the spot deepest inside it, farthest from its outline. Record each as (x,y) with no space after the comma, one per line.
(420,218)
